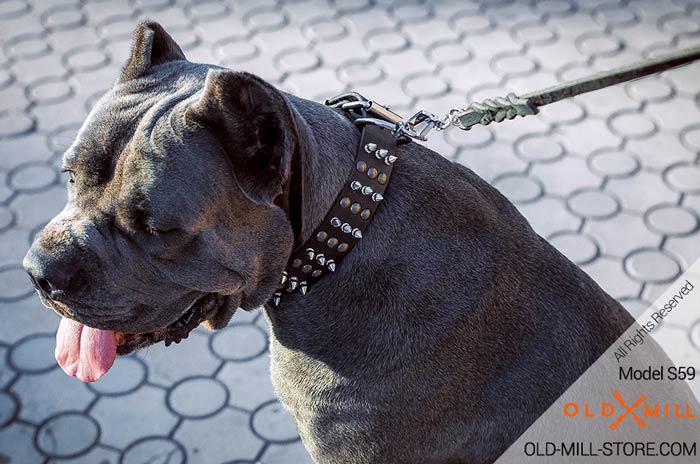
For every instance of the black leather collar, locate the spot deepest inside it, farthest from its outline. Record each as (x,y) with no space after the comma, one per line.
(346,222)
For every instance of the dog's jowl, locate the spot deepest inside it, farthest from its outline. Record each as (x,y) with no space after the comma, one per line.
(191,186)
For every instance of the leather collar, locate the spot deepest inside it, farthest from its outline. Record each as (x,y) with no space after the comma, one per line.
(346,222)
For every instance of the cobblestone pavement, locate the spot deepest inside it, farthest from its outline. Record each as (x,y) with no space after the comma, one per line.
(612,179)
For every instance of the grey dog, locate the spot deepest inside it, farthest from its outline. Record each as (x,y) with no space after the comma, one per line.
(445,333)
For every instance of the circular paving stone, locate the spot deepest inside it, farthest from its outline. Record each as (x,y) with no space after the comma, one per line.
(34,354)
(471,23)
(654,90)
(207,10)
(325,29)
(684,178)
(476,137)
(691,137)
(236,50)
(563,112)
(579,248)
(554,7)
(386,41)
(67,435)
(614,163)
(154,450)
(152,5)
(32,177)
(593,204)
(425,86)
(519,188)
(6,217)
(10,9)
(679,23)
(266,19)
(297,61)
(60,139)
(448,53)
(632,124)
(8,408)
(671,220)
(239,342)
(15,123)
(85,58)
(538,148)
(360,72)
(63,17)
(412,13)
(271,422)
(651,265)
(198,397)
(117,27)
(599,44)
(14,284)
(534,33)
(49,90)
(127,374)
(614,15)
(6,78)
(513,64)
(27,46)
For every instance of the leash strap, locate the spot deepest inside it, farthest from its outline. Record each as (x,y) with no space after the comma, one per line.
(346,222)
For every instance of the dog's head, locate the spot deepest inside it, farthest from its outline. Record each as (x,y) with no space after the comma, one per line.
(173,216)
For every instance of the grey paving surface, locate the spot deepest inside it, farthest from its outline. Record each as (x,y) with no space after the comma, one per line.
(612,179)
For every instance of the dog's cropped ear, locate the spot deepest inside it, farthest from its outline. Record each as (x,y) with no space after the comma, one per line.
(254,124)
(151,46)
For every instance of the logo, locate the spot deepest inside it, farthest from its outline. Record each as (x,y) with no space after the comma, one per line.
(637,411)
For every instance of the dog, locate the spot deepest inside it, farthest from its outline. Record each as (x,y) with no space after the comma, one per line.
(437,339)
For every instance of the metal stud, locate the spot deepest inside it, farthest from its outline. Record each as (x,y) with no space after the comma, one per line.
(277,299)
(302,287)
(321,236)
(382,179)
(285,277)
(389,160)
(310,253)
(296,263)
(330,264)
(367,190)
(316,273)
(343,247)
(321,259)
(355,208)
(332,242)
(370,147)
(345,202)
(306,268)
(347,228)
(361,166)
(357,233)
(372,173)
(377,197)
(365,214)
(293,284)
(355,185)
(335,222)
(381,153)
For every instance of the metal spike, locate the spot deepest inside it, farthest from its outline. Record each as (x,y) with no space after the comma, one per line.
(293,284)
(321,259)
(355,185)
(381,153)
(310,253)
(370,147)
(303,287)
(390,160)
(367,190)
(330,264)
(285,277)
(377,197)
(335,222)
(357,233)
(277,298)
(347,228)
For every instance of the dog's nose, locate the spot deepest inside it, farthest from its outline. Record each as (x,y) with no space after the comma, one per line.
(47,276)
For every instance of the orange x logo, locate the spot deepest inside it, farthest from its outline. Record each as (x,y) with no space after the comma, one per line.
(628,411)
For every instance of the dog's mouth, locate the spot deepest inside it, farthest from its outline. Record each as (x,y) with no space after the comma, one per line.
(88,353)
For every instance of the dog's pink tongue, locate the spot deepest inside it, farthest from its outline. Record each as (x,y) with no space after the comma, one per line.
(84,352)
